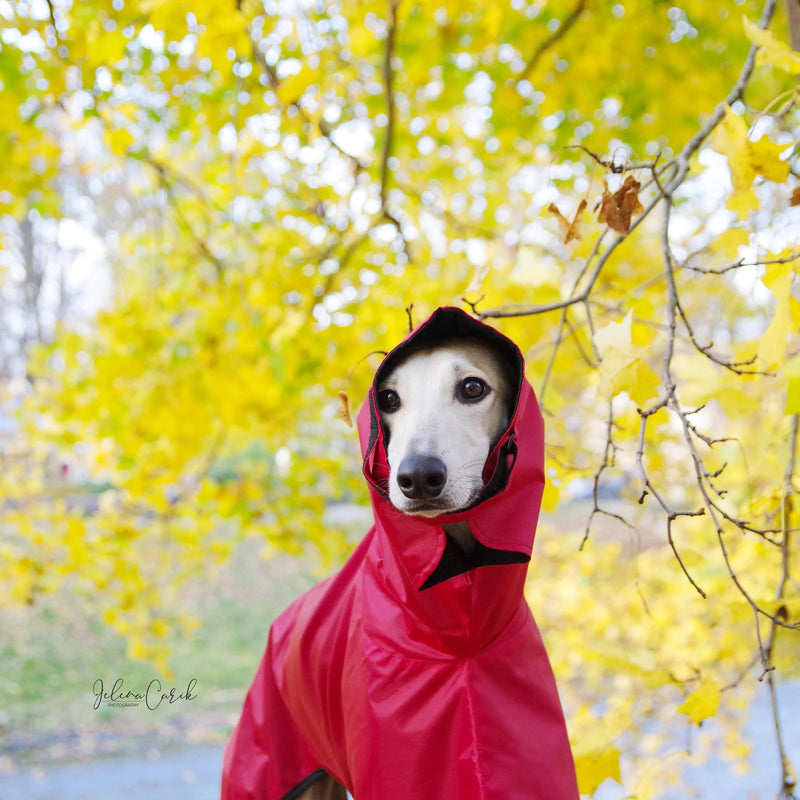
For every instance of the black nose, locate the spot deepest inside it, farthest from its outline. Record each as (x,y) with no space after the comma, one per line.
(421,477)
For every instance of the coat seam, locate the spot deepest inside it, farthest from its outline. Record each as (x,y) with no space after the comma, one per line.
(474,727)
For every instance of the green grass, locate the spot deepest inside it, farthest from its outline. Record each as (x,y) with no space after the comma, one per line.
(51,654)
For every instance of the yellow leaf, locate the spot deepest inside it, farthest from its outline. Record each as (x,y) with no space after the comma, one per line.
(773,52)
(729,242)
(742,202)
(291,89)
(702,703)
(614,336)
(786,609)
(622,368)
(551,496)
(730,139)
(765,160)
(746,160)
(596,766)
(531,270)
(638,380)
(772,347)
(792,372)
(119,140)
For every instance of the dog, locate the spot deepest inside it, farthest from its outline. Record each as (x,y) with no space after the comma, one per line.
(443,408)
(417,672)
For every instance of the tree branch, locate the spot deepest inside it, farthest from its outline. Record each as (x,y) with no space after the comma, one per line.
(793,14)
(388,81)
(609,455)
(736,93)
(548,43)
(788,774)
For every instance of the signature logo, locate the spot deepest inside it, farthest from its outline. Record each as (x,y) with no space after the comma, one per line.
(152,697)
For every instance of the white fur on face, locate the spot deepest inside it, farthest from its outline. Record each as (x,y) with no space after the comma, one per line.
(434,419)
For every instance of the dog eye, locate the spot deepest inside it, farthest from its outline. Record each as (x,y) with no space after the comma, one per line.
(388,400)
(472,389)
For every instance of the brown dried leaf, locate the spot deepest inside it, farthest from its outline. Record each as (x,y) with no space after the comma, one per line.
(795,201)
(569,230)
(617,209)
(627,198)
(609,213)
(344,409)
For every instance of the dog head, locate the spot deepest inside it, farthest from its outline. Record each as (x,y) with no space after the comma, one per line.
(442,409)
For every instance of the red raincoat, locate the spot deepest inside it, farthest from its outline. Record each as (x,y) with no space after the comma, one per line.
(417,672)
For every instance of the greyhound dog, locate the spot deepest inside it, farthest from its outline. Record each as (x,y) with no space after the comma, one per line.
(443,408)
(417,672)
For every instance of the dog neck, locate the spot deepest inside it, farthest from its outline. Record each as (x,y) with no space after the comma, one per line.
(460,533)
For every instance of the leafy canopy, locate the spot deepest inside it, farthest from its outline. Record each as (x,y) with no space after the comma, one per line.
(614,183)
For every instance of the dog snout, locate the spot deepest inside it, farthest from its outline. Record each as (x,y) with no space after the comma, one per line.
(421,477)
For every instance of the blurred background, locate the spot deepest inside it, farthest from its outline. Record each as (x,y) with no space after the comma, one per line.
(215,217)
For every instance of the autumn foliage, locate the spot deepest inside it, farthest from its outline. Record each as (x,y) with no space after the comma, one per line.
(279,187)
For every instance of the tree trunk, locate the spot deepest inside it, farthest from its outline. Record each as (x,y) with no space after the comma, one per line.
(793,13)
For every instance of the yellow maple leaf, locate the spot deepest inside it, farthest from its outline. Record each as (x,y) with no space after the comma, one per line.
(772,347)
(746,160)
(597,766)
(729,242)
(622,368)
(291,88)
(702,703)
(551,496)
(793,388)
(772,52)
(615,335)
(765,160)
(639,380)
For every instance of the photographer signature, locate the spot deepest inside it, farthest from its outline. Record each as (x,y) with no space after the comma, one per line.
(153,696)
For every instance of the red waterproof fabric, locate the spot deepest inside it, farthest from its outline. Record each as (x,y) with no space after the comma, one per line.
(408,693)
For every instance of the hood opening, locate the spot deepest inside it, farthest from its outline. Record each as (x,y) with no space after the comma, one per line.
(453,323)
(443,326)
(503,516)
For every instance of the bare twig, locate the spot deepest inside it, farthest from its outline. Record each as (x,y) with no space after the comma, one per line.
(583,296)
(793,256)
(788,774)
(548,43)
(52,11)
(736,93)
(388,82)
(409,309)
(202,245)
(609,454)
(703,477)
(610,164)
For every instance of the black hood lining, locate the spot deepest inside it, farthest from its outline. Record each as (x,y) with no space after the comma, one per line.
(453,323)
(455,561)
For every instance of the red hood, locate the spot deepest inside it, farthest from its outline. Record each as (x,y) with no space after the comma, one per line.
(503,521)
(417,672)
